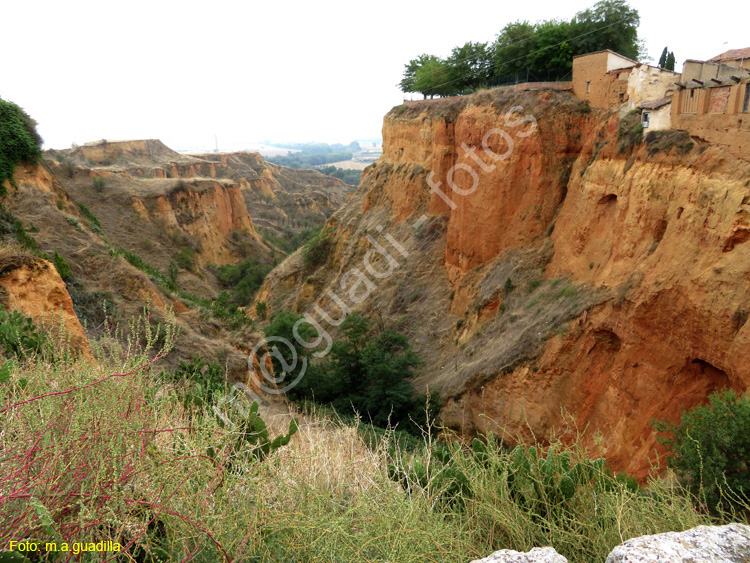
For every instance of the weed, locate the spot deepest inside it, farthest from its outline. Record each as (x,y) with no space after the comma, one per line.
(629,131)
(62,266)
(99,184)
(74,223)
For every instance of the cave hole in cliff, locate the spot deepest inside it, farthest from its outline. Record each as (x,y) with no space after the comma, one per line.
(706,375)
(679,212)
(739,236)
(605,339)
(608,199)
(661,228)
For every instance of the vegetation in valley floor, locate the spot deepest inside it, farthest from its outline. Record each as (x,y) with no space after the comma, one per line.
(709,450)
(367,373)
(351,177)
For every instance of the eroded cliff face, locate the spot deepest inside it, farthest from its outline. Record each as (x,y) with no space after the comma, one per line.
(33,287)
(210,197)
(104,289)
(571,285)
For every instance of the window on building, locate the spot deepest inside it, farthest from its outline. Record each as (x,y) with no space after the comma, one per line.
(645,119)
(622,96)
(588,87)
(747,98)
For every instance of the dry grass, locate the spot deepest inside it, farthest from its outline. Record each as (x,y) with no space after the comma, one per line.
(110,454)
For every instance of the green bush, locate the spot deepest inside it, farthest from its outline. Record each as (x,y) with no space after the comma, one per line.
(19,336)
(25,239)
(185,258)
(173,271)
(252,435)
(223,308)
(73,222)
(96,226)
(99,184)
(367,372)
(199,383)
(244,279)
(61,264)
(710,448)
(19,141)
(317,249)
(261,309)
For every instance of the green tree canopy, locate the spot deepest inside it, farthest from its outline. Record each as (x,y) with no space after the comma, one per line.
(670,61)
(710,448)
(663,58)
(19,140)
(527,51)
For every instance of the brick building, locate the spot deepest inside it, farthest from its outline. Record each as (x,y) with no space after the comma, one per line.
(607,79)
(713,101)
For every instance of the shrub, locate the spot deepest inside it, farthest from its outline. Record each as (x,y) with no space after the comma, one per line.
(630,131)
(199,383)
(73,222)
(710,447)
(367,372)
(317,249)
(173,271)
(99,184)
(533,285)
(19,140)
(224,309)
(70,169)
(244,279)
(25,239)
(184,258)
(19,336)
(522,497)
(261,309)
(96,226)
(62,266)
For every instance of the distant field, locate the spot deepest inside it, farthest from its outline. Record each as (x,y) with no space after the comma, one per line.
(349,165)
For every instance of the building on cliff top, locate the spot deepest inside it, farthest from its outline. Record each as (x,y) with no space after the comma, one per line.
(608,79)
(736,57)
(710,101)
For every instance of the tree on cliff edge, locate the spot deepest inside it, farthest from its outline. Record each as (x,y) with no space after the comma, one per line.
(528,51)
(19,140)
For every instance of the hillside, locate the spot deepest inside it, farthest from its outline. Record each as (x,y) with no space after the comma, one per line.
(281,202)
(584,279)
(124,215)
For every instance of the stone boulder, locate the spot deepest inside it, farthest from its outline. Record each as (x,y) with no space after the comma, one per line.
(536,555)
(704,544)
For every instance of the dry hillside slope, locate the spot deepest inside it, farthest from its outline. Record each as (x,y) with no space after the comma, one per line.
(96,203)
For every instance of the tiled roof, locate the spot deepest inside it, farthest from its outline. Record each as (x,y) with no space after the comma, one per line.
(655,104)
(732,55)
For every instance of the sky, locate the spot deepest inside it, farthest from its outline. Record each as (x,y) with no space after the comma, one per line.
(196,74)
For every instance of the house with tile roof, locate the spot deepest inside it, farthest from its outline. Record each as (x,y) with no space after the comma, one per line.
(736,57)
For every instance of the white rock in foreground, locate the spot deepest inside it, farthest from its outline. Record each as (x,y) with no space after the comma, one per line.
(536,555)
(704,544)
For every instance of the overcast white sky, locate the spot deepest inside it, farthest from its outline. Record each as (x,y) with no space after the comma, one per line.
(184,71)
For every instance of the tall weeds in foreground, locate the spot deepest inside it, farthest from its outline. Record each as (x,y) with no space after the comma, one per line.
(107,451)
